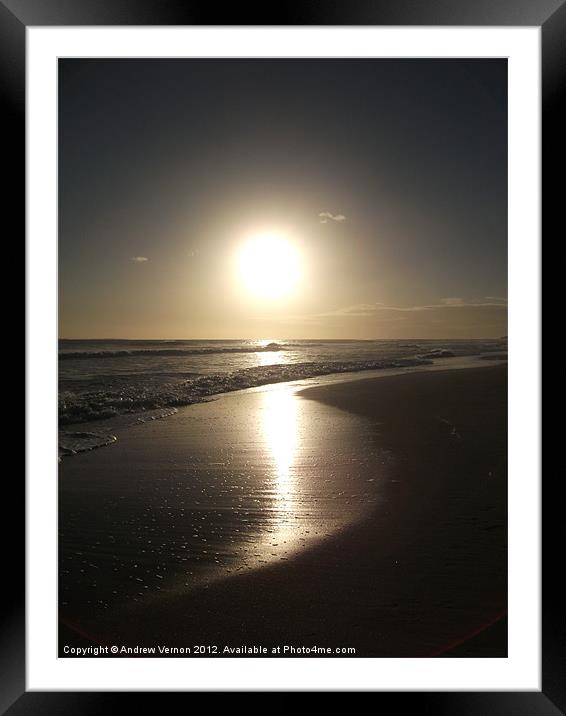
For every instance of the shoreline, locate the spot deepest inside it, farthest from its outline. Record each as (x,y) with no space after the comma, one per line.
(69,445)
(423,571)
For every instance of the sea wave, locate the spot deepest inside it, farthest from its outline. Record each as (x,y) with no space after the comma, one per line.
(438,353)
(128,353)
(71,443)
(97,405)
(75,441)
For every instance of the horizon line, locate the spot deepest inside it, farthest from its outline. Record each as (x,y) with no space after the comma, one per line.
(404,338)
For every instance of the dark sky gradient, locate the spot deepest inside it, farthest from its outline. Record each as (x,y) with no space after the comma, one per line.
(179,161)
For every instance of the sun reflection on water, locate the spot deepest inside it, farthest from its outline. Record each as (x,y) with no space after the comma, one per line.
(269,358)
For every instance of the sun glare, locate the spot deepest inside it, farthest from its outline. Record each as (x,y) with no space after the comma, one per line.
(269,266)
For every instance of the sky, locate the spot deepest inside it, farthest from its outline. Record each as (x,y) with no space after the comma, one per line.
(386,178)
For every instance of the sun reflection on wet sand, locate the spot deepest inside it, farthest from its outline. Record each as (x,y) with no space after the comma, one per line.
(280,426)
(219,489)
(302,484)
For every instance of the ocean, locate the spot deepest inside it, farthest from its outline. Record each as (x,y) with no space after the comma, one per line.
(106,384)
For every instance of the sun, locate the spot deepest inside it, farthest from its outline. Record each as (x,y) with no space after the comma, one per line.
(269,266)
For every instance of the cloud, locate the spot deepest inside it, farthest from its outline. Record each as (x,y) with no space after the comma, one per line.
(326,216)
(139,259)
(447,303)
(384,312)
(360,309)
(498,299)
(474,318)
(371,309)
(451,301)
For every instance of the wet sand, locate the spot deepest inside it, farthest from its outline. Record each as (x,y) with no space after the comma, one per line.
(367,514)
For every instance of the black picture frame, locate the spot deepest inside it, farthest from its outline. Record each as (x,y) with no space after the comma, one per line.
(15,16)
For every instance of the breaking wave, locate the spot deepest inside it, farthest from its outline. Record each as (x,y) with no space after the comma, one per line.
(438,353)
(125,353)
(102,404)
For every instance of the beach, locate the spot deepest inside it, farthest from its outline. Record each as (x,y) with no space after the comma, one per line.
(367,513)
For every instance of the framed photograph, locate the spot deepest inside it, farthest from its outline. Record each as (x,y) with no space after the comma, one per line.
(283,353)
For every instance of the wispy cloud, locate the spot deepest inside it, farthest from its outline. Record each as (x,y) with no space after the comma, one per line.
(368,309)
(359,309)
(384,312)
(139,259)
(496,299)
(326,216)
